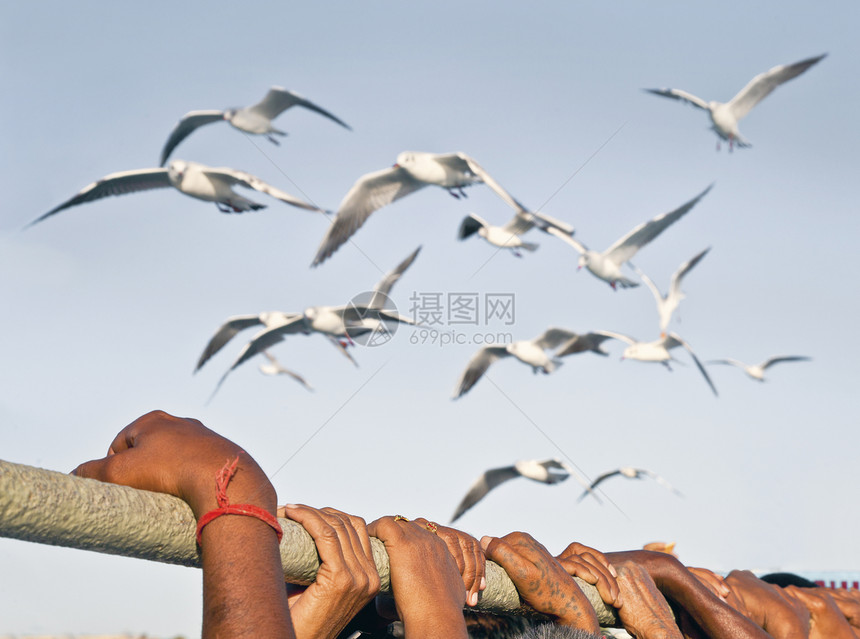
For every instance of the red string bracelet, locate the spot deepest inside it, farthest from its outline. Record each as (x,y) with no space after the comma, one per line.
(222,478)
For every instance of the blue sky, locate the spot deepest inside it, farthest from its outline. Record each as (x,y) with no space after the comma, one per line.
(108,305)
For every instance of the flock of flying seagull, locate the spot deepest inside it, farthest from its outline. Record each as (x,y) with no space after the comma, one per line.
(341,324)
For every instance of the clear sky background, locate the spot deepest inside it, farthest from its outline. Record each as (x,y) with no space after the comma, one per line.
(107,306)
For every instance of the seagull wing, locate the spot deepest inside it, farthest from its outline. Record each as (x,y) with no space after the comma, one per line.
(371,192)
(113,184)
(597,481)
(678,94)
(652,286)
(185,127)
(470,225)
(614,335)
(383,286)
(582,343)
(784,358)
(552,337)
(544,222)
(660,480)
(224,334)
(760,86)
(672,340)
(479,171)
(277,369)
(566,237)
(232,176)
(520,223)
(477,366)
(729,361)
(627,246)
(278,100)
(266,338)
(482,486)
(686,267)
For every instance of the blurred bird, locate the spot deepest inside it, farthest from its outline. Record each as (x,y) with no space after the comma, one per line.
(631,473)
(531,352)
(607,265)
(658,351)
(725,116)
(667,304)
(757,371)
(413,171)
(550,471)
(339,323)
(197,180)
(275,368)
(661,546)
(255,119)
(508,236)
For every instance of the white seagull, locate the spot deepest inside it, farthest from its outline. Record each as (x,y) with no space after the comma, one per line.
(412,171)
(508,236)
(339,323)
(630,473)
(256,119)
(658,351)
(757,372)
(267,319)
(550,471)
(531,352)
(666,304)
(206,183)
(607,265)
(274,368)
(726,115)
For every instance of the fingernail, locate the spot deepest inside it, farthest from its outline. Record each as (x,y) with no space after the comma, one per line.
(612,570)
(485,541)
(473,599)
(483,583)
(290,506)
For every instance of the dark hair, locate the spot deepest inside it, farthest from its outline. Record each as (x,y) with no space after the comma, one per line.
(492,626)
(783,579)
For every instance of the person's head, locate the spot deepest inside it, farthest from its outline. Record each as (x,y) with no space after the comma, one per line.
(492,626)
(783,579)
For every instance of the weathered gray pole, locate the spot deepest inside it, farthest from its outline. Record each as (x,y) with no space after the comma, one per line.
(48,507)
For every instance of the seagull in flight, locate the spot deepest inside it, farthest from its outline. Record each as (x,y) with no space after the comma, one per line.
(726,115)
(666,304)
(630,473)
(508,236)
(531,352)
(412,171)
(607,265)
(255,119)
(658,351)
(203,182)
(757,372)
(339,323)
(274,368)
(549,471)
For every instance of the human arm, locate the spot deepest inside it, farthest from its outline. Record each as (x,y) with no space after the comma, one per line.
(243,583)
(826,619)
(711,614)
(427,587)
(541,580)
(849,603)
(346,580)
(768,607)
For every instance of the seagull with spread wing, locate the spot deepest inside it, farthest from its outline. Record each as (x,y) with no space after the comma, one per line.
(607,265)
(509,235)
(211,184)
(339,323)
(757,371)
(726,115)
(658,351)
(550,471)
(629,473)
(531,352)
(667,304)
(413,171)
(255,119)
